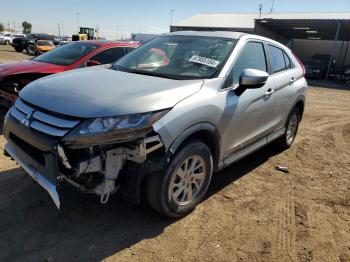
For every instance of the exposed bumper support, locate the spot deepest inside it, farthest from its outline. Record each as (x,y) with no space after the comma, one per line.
(36,175)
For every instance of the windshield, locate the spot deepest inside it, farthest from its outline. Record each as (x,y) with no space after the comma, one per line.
(178,57)
(66,54)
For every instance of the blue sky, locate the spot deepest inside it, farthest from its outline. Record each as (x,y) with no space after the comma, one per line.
(152,16)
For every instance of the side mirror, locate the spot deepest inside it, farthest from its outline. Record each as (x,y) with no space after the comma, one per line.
(251,79)
(92,63)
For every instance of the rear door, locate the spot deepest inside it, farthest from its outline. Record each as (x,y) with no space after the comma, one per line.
(284,74)
(108,56)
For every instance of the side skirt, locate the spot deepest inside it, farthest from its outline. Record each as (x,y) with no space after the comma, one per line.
(243,152)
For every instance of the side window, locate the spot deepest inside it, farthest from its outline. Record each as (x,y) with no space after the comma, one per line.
(109,56)
(287,61)
(129,49)
(252,56)
(277,58)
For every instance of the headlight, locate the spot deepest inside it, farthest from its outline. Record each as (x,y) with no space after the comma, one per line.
(104,130)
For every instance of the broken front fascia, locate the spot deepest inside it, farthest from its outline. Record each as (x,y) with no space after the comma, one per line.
(111,130)
(107,163)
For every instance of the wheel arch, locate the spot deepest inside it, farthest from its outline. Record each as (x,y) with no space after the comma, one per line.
(205,132)
(133,186)
(300,104)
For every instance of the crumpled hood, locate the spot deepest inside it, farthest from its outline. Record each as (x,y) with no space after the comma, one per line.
(97,92)
(27,66)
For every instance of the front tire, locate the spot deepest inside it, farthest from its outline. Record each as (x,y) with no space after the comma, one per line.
(31,49)
(292,126)
(183,185)
(7,42)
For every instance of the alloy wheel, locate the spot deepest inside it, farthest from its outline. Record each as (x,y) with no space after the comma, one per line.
(188,180)
(292,128)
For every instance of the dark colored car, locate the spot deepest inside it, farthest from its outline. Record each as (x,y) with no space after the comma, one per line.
(315,69)
(29,43)
(325,58)
(14,76)
(345,74)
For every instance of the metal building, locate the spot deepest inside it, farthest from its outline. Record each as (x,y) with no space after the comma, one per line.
(307,34)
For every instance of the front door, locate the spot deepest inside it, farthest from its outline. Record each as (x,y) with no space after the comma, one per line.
(249,115)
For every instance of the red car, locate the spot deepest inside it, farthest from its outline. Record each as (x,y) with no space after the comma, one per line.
(14,76)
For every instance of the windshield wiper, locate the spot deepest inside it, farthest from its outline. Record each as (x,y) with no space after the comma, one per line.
(147,73)
(115,67)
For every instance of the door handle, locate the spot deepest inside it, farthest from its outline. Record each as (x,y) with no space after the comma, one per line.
(292,80)
(269,92)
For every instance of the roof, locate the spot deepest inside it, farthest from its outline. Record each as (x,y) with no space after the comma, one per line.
(226,34)
(111,43)
(246,20)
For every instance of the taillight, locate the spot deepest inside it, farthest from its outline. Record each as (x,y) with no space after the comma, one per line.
(300,63)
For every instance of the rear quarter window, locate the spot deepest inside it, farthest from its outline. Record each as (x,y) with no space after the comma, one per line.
(109,56)
(280,61)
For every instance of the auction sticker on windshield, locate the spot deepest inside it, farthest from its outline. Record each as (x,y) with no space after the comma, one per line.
(204,61)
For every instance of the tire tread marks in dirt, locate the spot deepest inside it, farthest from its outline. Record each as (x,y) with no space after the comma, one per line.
(284,249)
(302,233)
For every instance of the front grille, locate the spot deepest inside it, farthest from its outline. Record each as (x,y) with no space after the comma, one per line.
(35,153)
(41,121)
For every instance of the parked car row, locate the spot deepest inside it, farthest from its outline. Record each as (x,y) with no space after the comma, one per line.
(14,76)
(159,121)
(7,38)
(33,44)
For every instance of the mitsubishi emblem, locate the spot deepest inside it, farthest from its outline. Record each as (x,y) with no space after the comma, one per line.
(26,120)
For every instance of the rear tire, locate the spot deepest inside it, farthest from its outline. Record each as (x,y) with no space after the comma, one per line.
(184,183)
(292,126)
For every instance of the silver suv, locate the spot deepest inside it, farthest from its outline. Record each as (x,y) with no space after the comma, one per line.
(161,120)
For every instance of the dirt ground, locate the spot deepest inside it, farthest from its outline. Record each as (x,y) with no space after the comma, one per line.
(8,54)
(252,212)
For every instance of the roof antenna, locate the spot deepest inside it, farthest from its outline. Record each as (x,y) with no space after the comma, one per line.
(273,3)
(260,9)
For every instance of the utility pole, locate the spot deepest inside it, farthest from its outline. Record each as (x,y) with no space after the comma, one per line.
(59,29)
(171,16)
(272,5)
(14,27)
(78,21)
(260,9)
(97,31)
(8,26)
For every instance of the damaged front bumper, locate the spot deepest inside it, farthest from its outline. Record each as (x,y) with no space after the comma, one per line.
(106,163)
(36,175)
(97,169)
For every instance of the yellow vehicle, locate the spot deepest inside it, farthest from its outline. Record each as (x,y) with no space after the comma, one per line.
(43,46)
(85,33)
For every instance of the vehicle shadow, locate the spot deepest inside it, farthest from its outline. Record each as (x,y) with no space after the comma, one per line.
(32,229)
(14,51)
(3,111)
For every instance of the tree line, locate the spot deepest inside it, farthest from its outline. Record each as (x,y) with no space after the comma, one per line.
(27,27)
